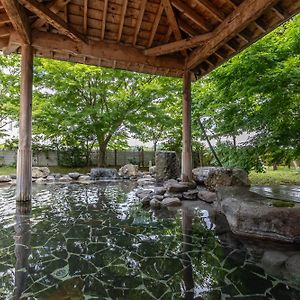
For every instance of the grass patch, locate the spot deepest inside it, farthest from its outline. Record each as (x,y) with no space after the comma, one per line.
(7,170)
(282,176)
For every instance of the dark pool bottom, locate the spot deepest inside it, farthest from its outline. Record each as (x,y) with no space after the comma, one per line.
(95,242)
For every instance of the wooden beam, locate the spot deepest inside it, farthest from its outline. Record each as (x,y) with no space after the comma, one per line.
(55,7)
(123,14)
(186,172)
(172,20)
(104,19)
(155,24)
(24,161)
(139,21)
(4,18)
(50,17)
(179,45)
(187,29)
(240,18)
(4,42)
(191,14)
(85,16)
(18,18)
(98,50)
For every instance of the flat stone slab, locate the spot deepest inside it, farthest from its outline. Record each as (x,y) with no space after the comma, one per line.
(252,215)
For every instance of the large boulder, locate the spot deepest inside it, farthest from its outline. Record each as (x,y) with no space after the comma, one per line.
(251,215)
(104,173)
(129,170)
(40,172)
(167,165)
(171,202)
(214,177)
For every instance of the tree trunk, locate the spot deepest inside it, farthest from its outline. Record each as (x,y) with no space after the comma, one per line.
(102,155)
(275,167)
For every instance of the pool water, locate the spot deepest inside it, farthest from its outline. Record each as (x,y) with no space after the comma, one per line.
(95,242)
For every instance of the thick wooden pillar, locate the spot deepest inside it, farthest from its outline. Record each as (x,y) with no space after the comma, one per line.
(186,165)
(24,153)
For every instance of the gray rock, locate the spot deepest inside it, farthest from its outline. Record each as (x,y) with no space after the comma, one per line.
(207,196)
(171,202)
(141,193)
(56,175)
(65,178)
(170,182)
(146,181)
(146,201)
(177,188)
(152,170)
(13,176)
(103,173)
(41,180)
(158,197)
(251,215)
(172,195)
(129,170)
(85,179)
(74,175)
(51,178)
(40,172)
(190,195)
(155,203)
(5,178)
(159,190)
(167,165)
(213,177)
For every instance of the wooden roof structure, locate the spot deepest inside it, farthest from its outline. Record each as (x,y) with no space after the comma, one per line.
(163,37)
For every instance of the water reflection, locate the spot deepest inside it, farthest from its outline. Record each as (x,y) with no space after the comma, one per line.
(95,242)
(22,248)
(187,242)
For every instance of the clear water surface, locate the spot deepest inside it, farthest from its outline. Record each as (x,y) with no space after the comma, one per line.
(95,242)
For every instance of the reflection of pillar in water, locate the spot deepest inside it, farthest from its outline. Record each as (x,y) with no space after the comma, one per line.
(22,247)
(187,222)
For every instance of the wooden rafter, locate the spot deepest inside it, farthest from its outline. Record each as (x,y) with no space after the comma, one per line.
(187,29)
(155,24)
(124,8)
(179,45)
(55,7)
(172,21)
(18,18)
(50,17)
(240,18)
(97,50)
(104,19)
(85,16)
(139,21)
(191,14)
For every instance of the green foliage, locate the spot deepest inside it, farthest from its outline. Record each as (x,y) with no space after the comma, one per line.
(257,92)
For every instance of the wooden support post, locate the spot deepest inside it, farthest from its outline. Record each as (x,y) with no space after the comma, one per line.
(24,162)
(186,166)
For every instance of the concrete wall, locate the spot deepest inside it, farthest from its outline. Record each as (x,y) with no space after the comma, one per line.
(50,158)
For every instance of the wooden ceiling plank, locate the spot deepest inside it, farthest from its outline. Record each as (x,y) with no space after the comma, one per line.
(139,21)
(55,7)
(98,50)
(168,35)
(155,24)
(50,17)
(85,16)
(18,18)
(240,18)
(104,19)
(179,45)
(123,14)
(172,21)
(187,29)
(191,14)
(205,4)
